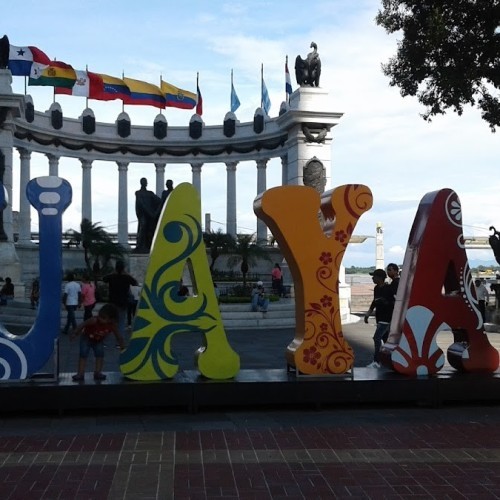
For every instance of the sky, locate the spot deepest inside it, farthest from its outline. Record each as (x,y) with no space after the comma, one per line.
(381,140)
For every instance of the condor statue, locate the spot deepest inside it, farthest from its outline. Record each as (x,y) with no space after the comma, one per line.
(308,70)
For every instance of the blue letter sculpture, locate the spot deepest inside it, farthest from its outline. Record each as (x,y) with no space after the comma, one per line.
(23,355)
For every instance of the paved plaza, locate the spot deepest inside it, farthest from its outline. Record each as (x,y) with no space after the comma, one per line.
(351,452)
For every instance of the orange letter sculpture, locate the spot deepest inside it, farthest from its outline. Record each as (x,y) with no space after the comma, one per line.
(435,260)
(314,255)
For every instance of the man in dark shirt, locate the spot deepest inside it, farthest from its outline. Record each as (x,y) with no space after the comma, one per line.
(393,275)
(119,286)
(383,305)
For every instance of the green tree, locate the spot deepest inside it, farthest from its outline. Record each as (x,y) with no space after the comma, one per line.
(449,56)
(98,245)
(246,252)
(218,243)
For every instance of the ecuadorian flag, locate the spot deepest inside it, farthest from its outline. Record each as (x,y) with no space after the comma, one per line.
(144,93)
(178,98)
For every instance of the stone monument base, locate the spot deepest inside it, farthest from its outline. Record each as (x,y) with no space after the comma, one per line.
(138,264)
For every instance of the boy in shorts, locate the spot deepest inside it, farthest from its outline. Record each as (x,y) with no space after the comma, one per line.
(93,331)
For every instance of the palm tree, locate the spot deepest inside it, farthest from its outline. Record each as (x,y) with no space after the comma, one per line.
(97,243)
(247,252)
(218,243)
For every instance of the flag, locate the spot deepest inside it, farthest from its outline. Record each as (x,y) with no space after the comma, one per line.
(178,98)
(87,85)
(266,102)
(113,88)
(143,93)
(56,74)
(22,58)
(288,82)
(199,101)
(235,102)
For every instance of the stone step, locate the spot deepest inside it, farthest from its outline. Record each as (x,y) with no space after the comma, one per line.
(281,314)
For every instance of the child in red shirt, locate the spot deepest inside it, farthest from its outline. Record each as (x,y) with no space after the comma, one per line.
(93,331)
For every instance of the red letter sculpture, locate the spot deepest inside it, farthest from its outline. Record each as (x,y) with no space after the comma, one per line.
(436,293)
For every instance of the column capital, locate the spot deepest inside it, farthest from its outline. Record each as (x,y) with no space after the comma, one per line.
(122,166)
(86,163)
(160,166)
(25,154)
(196,166)
(262,163)
(231,166)
(52,156)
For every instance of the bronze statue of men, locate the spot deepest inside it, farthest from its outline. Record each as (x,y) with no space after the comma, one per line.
(146,209)
(165,194)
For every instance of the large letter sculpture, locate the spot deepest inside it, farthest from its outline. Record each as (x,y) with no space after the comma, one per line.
(436,293)
(23,355)
(314,255)
(162,313)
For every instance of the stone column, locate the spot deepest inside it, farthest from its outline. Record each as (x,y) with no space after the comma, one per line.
(122,204)
(86,189)
(284,170)
(261,187)
(379,247)
(196,170)
(53,164)
(24,204)
(160,178)
(231,198)
(11,106)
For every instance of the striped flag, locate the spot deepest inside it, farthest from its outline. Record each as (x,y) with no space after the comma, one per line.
(199,102)
(288,82)
(266,101)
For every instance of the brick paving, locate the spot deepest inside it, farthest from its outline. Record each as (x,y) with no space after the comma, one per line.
(363,453)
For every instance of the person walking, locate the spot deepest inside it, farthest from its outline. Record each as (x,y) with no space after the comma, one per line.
(383,305)
(119,284)
(393,274)
(7,292)
(35,293)
(277,280)
(88,297)
(482,297)
(72,300)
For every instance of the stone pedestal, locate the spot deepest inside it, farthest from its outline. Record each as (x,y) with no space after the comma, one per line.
(137,266)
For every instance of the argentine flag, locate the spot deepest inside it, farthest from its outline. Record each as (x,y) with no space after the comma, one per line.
(235,102)
(266,101)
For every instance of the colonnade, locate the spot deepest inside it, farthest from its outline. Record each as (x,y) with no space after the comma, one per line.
(122,195)
(300,134)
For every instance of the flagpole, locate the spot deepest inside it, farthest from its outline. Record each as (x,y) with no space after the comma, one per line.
(161,80)
(286,93)
(123,102)
(231,92)
(88,79)
(261,85)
